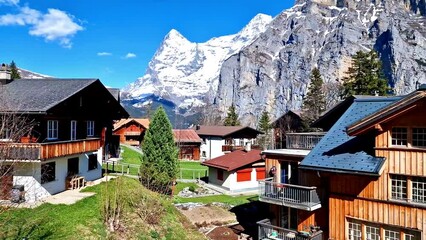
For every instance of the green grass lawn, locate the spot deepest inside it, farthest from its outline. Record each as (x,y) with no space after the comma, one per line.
(83,220)
(191,170)
(130,156)
(232,200)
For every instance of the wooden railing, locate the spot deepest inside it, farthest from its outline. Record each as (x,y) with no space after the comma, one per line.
(303,140)
(41,151)
(132,133)
(294,196)
(230,148)
(269,231)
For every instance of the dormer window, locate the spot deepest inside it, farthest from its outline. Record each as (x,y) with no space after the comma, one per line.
(90,128)
(399,136)
(52,129)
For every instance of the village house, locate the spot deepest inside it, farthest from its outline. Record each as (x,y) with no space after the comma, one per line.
(238,171)
(367,175)
(219,140)
(291,121)
(131,131)
(70,133)
(188,142)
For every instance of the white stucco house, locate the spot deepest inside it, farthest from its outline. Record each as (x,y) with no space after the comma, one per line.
(238,171)
(52,131)
(219,140)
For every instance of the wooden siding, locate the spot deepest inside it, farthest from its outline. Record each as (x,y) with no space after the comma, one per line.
(401,216)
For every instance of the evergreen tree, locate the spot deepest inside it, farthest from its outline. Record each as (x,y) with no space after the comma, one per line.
(14,71)
(365,76)
(160,165)
(314,101)
(232,117)
(265,127)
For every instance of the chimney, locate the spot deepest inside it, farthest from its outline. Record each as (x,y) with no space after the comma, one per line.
(247,147)
(5,76)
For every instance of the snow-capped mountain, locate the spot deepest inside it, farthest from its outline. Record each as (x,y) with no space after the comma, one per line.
(183,72)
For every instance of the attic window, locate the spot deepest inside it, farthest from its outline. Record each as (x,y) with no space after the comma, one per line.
(419,137)
(399,136)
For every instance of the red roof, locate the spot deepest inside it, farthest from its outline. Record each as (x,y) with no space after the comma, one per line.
(234,160)
(186,135)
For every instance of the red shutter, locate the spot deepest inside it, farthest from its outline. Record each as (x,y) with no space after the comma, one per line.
(244,175)
(260,173)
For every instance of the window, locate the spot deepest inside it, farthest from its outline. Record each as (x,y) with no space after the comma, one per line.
(399,136)
(93,162)
(244,175)
(203,153)
(391,235)
(90,128)
(419,189)
(220,174)
(373,233)
(5,133)
(419,137)
(399,187)
(48,172)
(409,237)
(354,231)
(73,130)
(52,129)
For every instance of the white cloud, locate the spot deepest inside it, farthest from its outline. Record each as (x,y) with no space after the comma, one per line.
(104,54)
(9,2)
(130,55)
(55,25)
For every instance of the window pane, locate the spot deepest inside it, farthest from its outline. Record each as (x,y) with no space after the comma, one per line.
(419,139)
(373,233)
(419,189)
(354,231)
(391,235)
(48,172)
(399,187)
(399,136)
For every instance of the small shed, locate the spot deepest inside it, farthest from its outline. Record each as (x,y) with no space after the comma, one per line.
(188,142)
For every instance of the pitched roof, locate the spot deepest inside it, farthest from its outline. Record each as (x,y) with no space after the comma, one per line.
(296,113)
(392,111)
(186,136)
(39,95)
(221,131)
(144,122)
(339,152)
(234,160)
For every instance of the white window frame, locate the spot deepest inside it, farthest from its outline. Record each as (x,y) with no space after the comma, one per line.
(363,229)
(416,133)
(90,128)
(399,187)
(354,230)
(52,129)
(73,130)
(397,136)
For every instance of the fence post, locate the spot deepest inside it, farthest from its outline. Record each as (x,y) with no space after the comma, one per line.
(128,169)
(193,174)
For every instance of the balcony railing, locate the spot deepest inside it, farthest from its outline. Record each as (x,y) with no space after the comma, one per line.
(132,133)
(268,231)
(230,148)
(41,151)
(294,196)
(303,140)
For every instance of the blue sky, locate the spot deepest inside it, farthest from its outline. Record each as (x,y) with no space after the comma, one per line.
(112,40)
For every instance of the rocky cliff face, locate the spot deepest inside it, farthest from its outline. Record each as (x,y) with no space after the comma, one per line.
(272,73)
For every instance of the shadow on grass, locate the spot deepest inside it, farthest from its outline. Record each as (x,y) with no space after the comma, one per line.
(249,214)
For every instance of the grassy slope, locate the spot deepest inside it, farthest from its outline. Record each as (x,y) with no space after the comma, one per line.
(83,220)
(130,156)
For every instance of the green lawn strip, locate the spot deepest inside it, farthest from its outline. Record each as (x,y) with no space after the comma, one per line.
(191,170)
(83,219)
(130,156)
(119,168)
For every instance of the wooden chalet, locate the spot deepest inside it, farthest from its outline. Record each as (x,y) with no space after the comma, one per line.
(131,131)
(291,121)
(53,130)
(188,142)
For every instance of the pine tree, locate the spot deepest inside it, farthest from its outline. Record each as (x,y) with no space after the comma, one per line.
(365,76)
(160,165)
(314,101)
(14,71)
(265,127)
(232,117)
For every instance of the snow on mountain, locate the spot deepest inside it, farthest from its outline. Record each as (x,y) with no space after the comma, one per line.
(183,72)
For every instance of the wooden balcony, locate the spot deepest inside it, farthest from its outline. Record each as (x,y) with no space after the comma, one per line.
(132,133)
(268,231)
(42,151)
(230,148)
(294,196)
(303,140)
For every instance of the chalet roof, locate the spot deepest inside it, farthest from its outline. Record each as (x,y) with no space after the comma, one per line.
(296,113)
(115,92)
(144,122)
(234,160)
(223,131)
(390,112)
(339,152)
(39,95)
(186,136)
(287,152)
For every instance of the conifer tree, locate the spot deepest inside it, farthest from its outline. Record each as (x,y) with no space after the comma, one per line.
(232,117)
(160,165)
(265,127)
(365,76)
(14,71)
(314,101)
